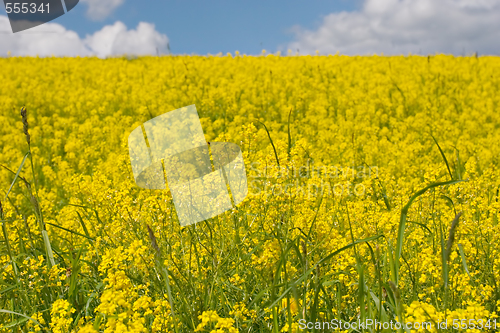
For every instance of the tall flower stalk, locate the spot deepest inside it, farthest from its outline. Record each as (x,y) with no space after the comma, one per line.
(34,198)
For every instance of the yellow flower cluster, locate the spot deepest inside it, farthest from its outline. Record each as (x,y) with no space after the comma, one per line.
(220,325)
(473,314)
(61,316)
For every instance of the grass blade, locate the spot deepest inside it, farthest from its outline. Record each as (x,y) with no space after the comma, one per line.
(444,157)
(83,226)
(464,261)
(272,143)
(306,274)
(17,175)
(289,136)
(451,202)
(422,225)
(361,293)
(48,248)
(71,231)
(20,314)
(404,214)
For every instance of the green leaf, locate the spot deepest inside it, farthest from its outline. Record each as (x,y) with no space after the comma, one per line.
(464,262)
(68,230)
(15,323)
(8,289)
(17,175)
(422,225)
(404,214)
(289,136)
(20,314)
(444,157)
(328,257)
(48,248)
(272,144)
(361,293)
(84,226)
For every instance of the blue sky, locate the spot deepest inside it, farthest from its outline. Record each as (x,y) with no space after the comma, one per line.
(353,27)
(213,26)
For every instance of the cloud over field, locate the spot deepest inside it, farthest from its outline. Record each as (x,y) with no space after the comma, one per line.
(403,26)
(53,39)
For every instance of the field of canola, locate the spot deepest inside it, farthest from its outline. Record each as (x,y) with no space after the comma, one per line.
(373,194)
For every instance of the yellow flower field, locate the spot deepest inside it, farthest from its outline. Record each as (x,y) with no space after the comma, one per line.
(373,196)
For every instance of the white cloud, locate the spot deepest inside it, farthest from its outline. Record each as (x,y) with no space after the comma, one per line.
(116,39)
(404,26)
(100,9)
(53,39)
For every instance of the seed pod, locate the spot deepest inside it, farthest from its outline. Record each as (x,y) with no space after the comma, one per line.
(395,290)
(24,117)
(35,204)
(1,211)
(152,238)
(451,236)
(33,200)
(304,253)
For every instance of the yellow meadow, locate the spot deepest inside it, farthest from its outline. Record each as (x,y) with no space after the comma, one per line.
(373,194)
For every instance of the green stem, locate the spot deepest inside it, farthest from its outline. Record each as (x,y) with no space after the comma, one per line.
(39,215)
